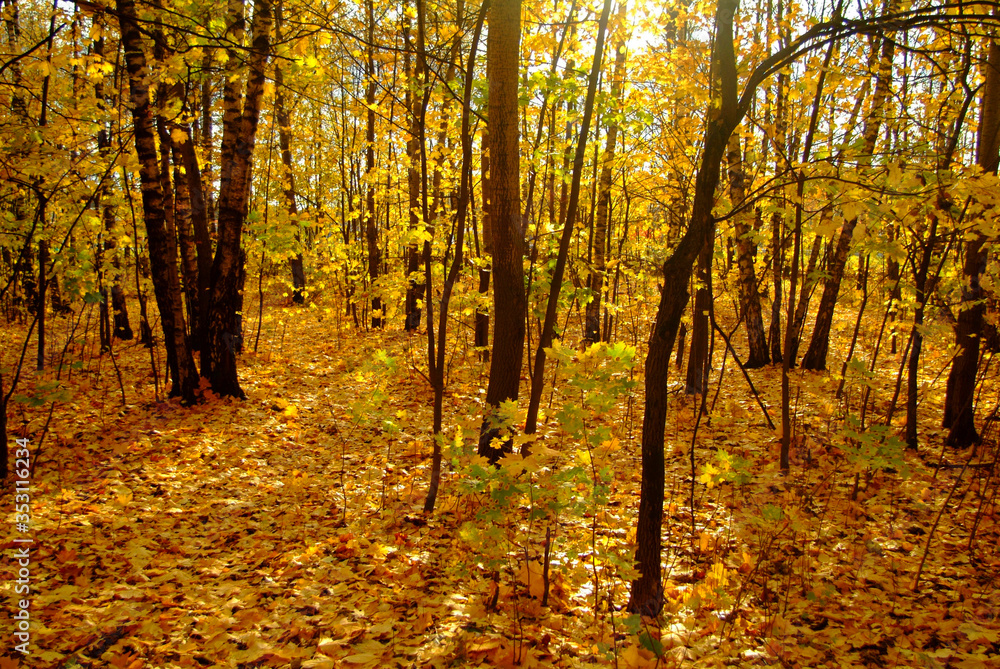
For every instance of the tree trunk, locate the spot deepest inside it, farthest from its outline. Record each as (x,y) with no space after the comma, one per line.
(697,359)
(43,261)
(197,190)
(502,55)
(774,333)
(415,92)
(569,225)
(788,360)
(486,256)
(959,412)
(746,249)
(437,363)
(295,263)
(815,356)
(162,252)
(240,118)
(647,591)
(802,304)
(114,312)
(371,227)
(186,243)
(592,323)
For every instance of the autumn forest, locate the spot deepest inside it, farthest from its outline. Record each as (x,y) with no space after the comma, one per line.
(518,333)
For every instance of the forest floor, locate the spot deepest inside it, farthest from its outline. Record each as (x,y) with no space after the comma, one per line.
(286,529)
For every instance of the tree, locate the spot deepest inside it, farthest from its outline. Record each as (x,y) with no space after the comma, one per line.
(725,112)
(371,227)
(569,224)
(436,347)
(283,118)
(598,261)
(507,352)
(647,591)
(239,131)
(749,296)
(162,251)
(113,312)
(815,356)
(959,409)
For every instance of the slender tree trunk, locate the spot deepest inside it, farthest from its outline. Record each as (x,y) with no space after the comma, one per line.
(4,452)
(551,307)
(695,381)
(913,364)
(746,249)
(43,261)
(802,304)
(438,362)
(186,244)
(114,312)
(502,55)
(778,241)
(371,225)
(895,292)
(207,145)
(788,361)
(485,258)
(647,591)
(592,327)
(240,119)
(959,411)
(414,100)
(162,251)
(815,356)
(295,263)
(197,192)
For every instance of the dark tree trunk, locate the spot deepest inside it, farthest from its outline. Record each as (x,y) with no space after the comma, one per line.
(802,305)
(959,409)
(166,187)
(647,591)
(436,356)
(697,359)
(486,256)
(569,225)
(371,226)
(815,356)
(414,101)
(43,261)
(197,191)
(777,260)
(917,333)
(186,244)
(239,134)
(774,333)
(162,250)
(295,263)
(114,312)
(592,324)
(4,453)
(502,55)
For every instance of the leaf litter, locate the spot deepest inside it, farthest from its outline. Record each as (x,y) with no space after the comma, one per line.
(286,530)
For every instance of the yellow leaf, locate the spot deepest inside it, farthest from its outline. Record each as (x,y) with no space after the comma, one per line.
(531,576)
(361,658)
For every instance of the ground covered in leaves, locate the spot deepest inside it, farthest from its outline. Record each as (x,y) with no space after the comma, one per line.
(286,529)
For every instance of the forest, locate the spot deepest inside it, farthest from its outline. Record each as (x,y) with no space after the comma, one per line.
(517,333)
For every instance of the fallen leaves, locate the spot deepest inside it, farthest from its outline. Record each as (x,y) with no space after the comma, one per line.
(286,531)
